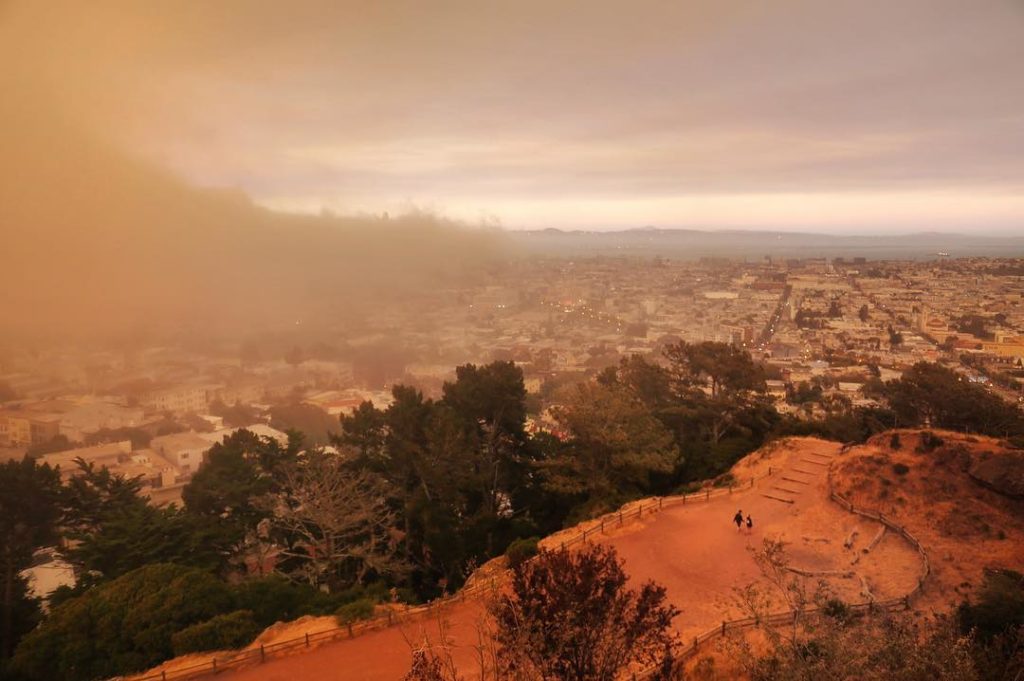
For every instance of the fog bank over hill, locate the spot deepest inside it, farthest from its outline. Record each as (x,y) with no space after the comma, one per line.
(321,103)
(98,244)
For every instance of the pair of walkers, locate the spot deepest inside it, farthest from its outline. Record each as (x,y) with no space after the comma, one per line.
(738,519)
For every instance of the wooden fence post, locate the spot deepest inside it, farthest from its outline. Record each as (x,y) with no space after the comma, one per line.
(213,661)
(307,639)
(163,675)
(723,627)
(620,517)
(640,511)
(263,654)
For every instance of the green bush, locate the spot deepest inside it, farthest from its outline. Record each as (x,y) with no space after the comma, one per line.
(837,610)
(595,508)
(690,488)
(355,611)
(724,480)
(405,594)
(856,425)
(521,550)
(275,599)
(223,632)
(122,626)
(999,607)
(900,468)
(933,393)
(930,442)
(374,591)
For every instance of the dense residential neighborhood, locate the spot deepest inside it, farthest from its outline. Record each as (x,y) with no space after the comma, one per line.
(833,326)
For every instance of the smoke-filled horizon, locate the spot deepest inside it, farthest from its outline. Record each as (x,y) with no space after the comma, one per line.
(100,245)
(224,168)
(853,117)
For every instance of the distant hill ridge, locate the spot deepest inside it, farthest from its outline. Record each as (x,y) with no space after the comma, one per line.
(686,243)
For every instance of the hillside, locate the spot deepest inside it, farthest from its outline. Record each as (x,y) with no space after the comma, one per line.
(691,547)
(934,489)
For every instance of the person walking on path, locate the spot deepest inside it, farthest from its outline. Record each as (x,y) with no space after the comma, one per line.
(750,524)
(738,519)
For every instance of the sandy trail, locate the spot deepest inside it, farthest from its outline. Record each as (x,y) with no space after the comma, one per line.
(694,550)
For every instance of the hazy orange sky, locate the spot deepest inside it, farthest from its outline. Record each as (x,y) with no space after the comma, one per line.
(830,115)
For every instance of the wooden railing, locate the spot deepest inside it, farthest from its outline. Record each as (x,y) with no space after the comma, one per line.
(690,648)
(264,652)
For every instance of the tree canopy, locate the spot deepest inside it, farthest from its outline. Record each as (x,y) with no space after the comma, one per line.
(616,443)
(931,394)
(122,626)
(114,530)
(29,512)
(570,615)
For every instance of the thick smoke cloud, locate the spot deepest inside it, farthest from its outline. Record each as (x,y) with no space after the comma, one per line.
(697,113)
(96,242)
(869,116)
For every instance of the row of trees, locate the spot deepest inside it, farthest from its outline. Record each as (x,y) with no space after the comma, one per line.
(257,506)
(710,397)
(466,478)
(421,493)
(932,394)
(927,395)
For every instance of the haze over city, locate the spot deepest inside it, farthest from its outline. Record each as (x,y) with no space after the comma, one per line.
(512,341)
(841,116)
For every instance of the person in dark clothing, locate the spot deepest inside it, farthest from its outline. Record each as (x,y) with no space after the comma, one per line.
(750,524)
(738,519)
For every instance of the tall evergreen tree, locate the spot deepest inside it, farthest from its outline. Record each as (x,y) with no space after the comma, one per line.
(29,513)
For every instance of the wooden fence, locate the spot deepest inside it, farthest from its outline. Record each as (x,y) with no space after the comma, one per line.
(265,652)
(690,648)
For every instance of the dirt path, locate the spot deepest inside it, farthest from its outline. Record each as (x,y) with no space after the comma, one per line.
(694,550)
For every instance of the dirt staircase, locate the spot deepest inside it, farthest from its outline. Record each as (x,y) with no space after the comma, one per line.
(787,486)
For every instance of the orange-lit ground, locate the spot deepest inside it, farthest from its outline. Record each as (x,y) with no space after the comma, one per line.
(694,550)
